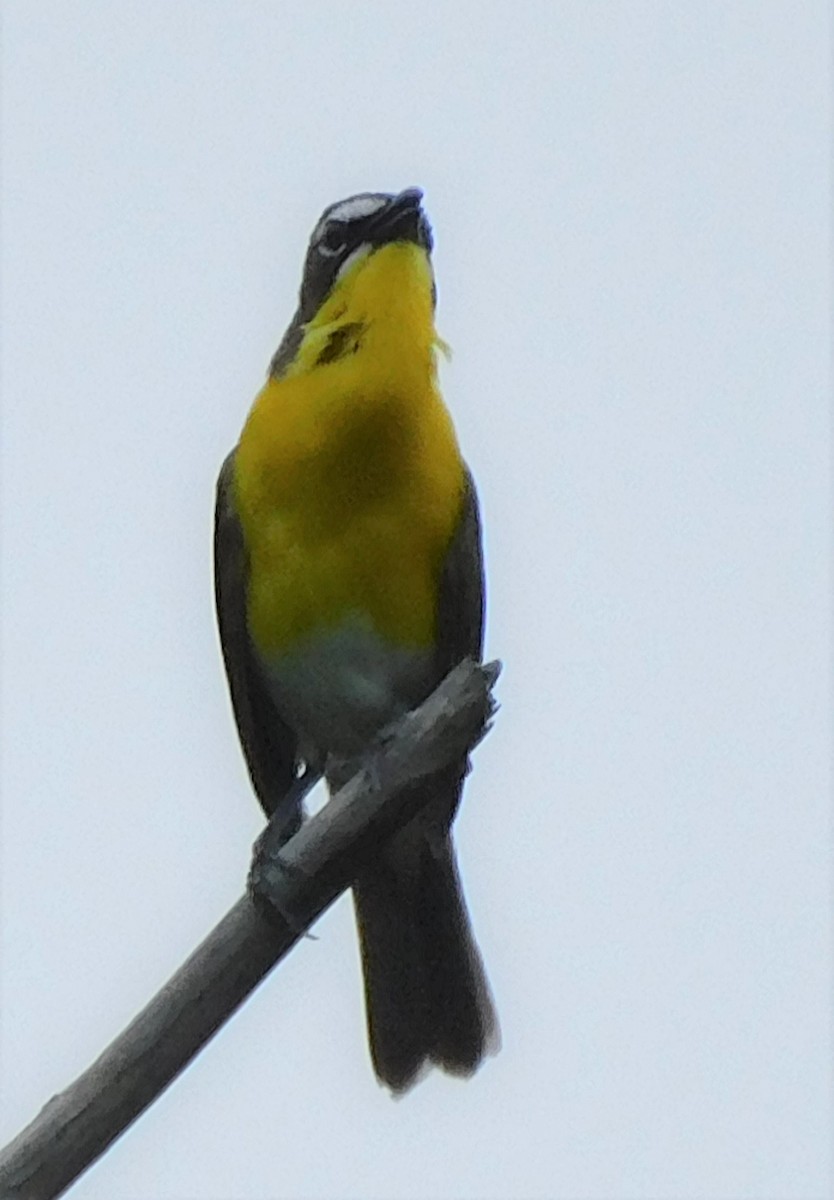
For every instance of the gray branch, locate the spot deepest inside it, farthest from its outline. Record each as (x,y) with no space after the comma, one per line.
(289,887)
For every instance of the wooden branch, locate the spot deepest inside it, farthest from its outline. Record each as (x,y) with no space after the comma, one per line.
(289,887)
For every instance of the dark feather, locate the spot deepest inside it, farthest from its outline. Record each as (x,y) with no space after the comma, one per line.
(427,998)
(269,745)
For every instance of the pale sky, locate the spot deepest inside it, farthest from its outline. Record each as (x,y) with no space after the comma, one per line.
(630,204)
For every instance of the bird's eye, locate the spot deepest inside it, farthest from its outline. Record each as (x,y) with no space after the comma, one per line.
(334,238)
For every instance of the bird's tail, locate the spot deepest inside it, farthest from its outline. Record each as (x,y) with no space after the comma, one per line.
(426,994)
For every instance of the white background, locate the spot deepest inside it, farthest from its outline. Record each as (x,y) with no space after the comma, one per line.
(630,204)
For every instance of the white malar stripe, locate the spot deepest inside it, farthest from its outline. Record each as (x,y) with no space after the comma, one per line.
(361,251)
(353,209)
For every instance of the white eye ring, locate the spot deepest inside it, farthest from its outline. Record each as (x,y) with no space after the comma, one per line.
(328,253)
(332,227)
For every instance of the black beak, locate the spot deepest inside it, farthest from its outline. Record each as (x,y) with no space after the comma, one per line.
(402,220)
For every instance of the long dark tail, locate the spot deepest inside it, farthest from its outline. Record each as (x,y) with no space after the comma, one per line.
(426,994)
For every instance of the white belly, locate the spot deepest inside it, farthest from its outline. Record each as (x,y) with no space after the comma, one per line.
(344,685)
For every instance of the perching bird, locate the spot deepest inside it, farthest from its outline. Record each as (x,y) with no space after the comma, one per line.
(349,582)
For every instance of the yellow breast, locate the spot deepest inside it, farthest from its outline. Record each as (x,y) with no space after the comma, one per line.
(348,475)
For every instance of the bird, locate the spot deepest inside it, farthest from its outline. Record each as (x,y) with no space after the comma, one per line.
(349,581)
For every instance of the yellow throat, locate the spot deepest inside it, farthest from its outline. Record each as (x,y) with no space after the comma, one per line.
(348,477)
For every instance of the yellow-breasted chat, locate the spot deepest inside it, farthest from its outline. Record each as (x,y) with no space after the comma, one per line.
(349,582)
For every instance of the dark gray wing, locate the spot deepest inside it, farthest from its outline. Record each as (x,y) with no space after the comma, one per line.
(460,624)
(460,614)
(268,744)
(426,993)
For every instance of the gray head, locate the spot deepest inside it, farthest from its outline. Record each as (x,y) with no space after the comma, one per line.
(346,229)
